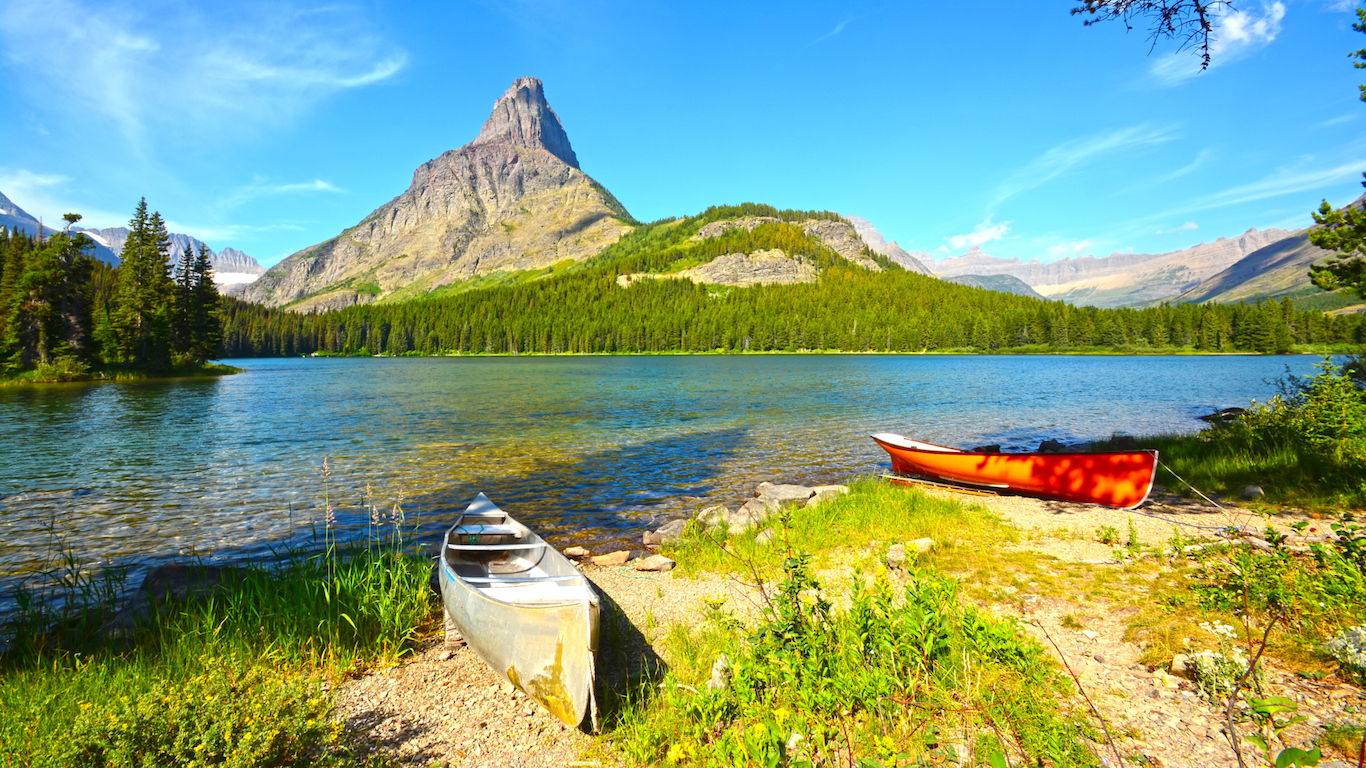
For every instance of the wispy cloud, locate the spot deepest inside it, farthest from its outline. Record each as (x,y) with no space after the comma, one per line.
(1337,120)
(1340,5)
(181,72)
(1235,35)
(221,232)
(838,29)
(261,187)
(1187,227)
(48,196)
(1067,249)
(980,235)
(1064,157)
(1283,181)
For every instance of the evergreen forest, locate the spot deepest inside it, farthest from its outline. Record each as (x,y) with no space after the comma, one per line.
(66,316)
(584,309)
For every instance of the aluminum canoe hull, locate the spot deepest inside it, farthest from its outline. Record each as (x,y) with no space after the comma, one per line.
(1121,479)
(544,647)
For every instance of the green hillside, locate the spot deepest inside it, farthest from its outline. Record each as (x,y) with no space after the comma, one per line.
(582,308)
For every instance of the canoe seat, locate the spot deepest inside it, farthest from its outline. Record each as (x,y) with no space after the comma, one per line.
(494,546)
(489,530)
(517,579)
(538,592)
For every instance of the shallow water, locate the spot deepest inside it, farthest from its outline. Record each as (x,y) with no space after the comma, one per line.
(583,448)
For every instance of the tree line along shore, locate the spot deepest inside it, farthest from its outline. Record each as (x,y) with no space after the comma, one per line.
(582,308)
(65,316)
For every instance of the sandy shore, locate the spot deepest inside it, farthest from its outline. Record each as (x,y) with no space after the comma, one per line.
(445,707)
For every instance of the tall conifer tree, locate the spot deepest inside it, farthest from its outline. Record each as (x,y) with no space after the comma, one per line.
(205,320)
(145,292)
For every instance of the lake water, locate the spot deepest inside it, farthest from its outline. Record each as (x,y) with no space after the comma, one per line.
(585,449)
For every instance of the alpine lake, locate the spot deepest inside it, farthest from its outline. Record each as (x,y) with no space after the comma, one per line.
(584,449)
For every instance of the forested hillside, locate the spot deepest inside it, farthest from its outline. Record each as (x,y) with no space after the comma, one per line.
(582,308)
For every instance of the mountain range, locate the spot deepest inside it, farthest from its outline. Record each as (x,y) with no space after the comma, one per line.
(514,205)
(231,266)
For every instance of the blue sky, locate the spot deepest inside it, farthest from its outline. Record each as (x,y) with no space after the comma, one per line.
(270,127)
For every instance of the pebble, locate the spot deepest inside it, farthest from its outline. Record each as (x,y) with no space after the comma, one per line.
(576,552)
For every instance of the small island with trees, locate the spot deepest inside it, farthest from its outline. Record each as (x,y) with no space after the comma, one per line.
(65,316)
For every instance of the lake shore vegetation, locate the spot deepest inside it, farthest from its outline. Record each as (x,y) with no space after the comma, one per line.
(242,674)
(981,649)
(582,308)
(1305,447)
(65,316)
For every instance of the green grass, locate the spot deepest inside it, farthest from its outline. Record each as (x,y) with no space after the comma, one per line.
(240,677)
(62,374)
(867,667)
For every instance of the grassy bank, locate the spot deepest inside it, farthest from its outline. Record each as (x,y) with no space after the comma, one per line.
(60,373)
(848,663)
(240,677)
(1306,447)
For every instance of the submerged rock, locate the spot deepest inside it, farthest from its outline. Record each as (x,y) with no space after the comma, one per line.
(670,531)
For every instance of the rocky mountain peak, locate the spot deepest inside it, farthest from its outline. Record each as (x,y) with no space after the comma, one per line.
(522,117)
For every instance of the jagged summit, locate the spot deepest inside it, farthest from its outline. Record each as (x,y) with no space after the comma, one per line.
(522,117)
(513,200)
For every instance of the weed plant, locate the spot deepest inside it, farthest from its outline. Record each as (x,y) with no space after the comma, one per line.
(240,677)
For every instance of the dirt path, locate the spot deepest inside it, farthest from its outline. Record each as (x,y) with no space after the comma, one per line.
(446,708)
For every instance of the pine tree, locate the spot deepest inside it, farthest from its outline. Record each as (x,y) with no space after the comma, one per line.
(142,304)
(205,319)
(182,306)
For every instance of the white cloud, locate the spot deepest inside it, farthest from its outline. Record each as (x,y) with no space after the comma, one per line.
(221,232)
(45,196)
(1067,249)
(1235,35)
(1341,5)
(1064,157)
(1337,120)
(1282,181)
(1188,226)
(260,187)
(982,234)
(177,72)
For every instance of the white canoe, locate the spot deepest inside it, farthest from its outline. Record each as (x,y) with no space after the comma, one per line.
(523,607)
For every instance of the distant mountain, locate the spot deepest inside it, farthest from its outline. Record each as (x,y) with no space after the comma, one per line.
(14,217)
(915,262)
(514,199)
(231,267)
(1121,279)
(1002,283)
(1278,270)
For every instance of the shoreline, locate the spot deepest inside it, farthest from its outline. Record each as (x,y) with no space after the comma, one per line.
(444,704)
(208,371)
(959,351)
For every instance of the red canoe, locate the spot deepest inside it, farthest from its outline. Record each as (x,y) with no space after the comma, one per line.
(1123,479)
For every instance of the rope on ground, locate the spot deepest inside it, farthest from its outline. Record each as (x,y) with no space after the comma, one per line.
(1228,529)
(1180,522)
